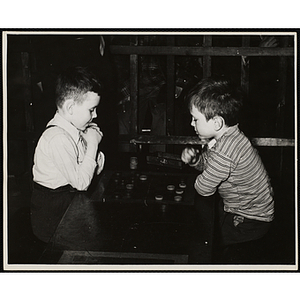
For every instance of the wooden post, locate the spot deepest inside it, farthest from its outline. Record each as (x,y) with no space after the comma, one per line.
(245,66)
(170,114)
(27,91)
(134,88)
(207,42)
(28,104)
(170,89)
(134,73)
(282,92)
(281,102)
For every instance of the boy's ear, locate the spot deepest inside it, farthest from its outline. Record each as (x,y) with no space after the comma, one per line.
(69,105)
(218,123)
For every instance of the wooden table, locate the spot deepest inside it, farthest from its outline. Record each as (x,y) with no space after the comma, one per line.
(96,231)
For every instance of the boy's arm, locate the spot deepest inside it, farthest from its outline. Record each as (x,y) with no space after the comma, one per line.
(63,153)
(217,168)
(200,161)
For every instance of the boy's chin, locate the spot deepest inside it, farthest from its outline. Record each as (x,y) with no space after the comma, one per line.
(86,126)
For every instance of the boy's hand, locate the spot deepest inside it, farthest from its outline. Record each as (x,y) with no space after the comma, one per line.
(92,134)
(100,162)
(190,155)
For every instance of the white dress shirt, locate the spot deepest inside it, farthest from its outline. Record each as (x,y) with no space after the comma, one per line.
(60,158)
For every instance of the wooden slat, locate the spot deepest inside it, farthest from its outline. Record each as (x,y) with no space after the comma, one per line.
(194,140)
(273,142)
(200,51)
(167,140)
(68,256)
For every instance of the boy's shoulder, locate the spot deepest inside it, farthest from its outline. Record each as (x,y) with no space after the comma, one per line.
(54,132)
(235,137)
(232,142)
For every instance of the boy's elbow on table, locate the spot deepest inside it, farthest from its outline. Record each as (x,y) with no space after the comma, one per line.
(82,184)
(202,191)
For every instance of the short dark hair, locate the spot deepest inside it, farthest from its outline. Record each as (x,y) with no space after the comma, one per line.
(214,96)
(74,82)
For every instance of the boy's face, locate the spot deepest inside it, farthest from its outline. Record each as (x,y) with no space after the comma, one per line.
(204,129)
(85,112)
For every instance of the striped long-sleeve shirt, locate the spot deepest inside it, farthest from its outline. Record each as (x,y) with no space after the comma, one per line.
(234,168)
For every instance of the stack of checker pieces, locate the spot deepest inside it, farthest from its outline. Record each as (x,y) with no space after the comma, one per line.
(150,187)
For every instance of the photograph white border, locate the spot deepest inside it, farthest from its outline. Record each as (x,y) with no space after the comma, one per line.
(174,268)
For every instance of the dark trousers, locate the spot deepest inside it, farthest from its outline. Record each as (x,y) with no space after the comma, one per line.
(239,239)
(47,209)
(236,229)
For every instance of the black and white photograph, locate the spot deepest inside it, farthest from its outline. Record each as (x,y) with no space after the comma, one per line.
(150,150)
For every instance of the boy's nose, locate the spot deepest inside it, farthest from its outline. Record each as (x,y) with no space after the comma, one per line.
(94,115)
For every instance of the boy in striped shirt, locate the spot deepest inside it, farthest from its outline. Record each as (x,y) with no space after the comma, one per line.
(230,165)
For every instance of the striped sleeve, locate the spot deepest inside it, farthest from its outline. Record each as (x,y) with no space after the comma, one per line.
(235,168)
(217,169)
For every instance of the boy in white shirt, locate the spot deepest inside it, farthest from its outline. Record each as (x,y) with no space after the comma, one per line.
(66,156)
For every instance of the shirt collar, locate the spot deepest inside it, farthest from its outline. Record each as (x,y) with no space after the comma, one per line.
(228,132)
(231,129)
(61,122)
(211,143)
